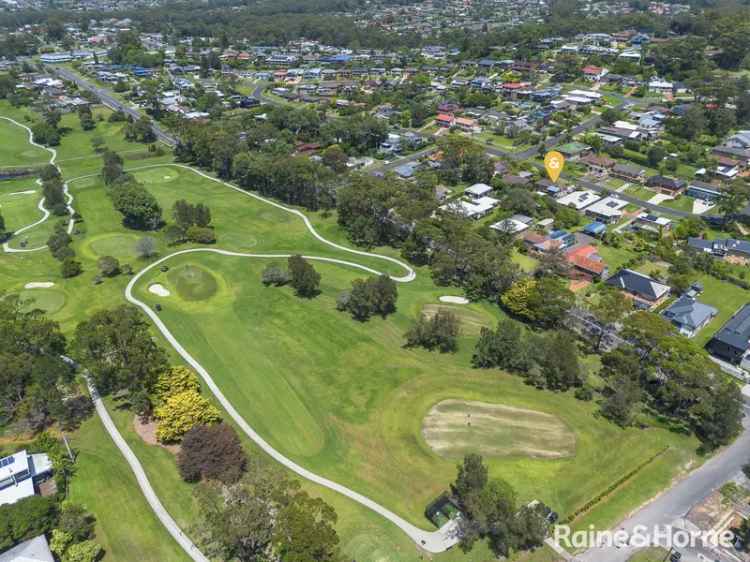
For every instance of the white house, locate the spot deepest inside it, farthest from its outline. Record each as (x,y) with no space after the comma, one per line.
(18,474)
(579,199)
(608,210)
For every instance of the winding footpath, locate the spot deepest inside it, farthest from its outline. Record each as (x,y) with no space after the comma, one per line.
(140,475)
(45,213)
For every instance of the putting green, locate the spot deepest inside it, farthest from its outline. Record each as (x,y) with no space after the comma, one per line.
(192,282)
(48,300)
(120,245)
(454,428)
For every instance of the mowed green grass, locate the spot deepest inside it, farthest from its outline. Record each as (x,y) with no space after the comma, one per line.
(15,149)
(18,206)
(652,554)
(455,428)
(192,282)
(126,527)
(364,411)
(345,399)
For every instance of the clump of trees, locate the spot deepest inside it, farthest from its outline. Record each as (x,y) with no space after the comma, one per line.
(116,347)
(303,277)
(546,361)
(47,131)
(72,538)
(53,190)
(140,210)
(86,118)
(543,301)
(139,130)
(192,223)
(491,512)
(437,332)
(59,244)
(266,515)
(274,274)
(211,452)
(667,373)
(26,519)
(108,266)
(375,295)
(180,406)
(37,387)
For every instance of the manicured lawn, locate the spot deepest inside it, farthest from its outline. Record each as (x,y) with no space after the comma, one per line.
(525,262)
(343,398)
(615,258)
(726,297)
(652,554)
(15,150)
(18,205)
(354,412)
(103,483)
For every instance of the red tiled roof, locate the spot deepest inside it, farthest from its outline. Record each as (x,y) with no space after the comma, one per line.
(588,264)
(444,117)
(582,251)
(591,69)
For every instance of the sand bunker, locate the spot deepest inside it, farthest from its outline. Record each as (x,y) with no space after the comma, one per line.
(40,285)
(454,300)
(159,290)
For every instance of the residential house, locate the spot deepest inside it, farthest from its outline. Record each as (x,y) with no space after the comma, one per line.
(474,209)
(478,190)
(595,229)
(598,164)
(586,262)
(594,73)
(579,199)
(732,341)
(741,139)
(32,550)
(701,190)
(607,210)
(741,155)
(647,293)
(574,150)
(730,249)
(513,225)
(466,124)
(444,120)
(666,185)
(556,239)
(689,315)
(19,474)
(652,223)
(629,172)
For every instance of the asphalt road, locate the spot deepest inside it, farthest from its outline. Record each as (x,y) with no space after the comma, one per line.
(669,508)
(107,99)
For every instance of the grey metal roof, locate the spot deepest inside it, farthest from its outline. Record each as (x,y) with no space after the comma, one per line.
(720,246)
(638,283)
(688,312)
(736,331)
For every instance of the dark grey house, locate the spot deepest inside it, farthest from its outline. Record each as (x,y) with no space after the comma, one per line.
(732,341)
(647,293)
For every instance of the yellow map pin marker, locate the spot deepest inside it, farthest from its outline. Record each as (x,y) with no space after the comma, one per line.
(554,163)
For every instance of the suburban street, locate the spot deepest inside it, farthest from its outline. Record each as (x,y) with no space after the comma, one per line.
(110,101)
(670,507)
